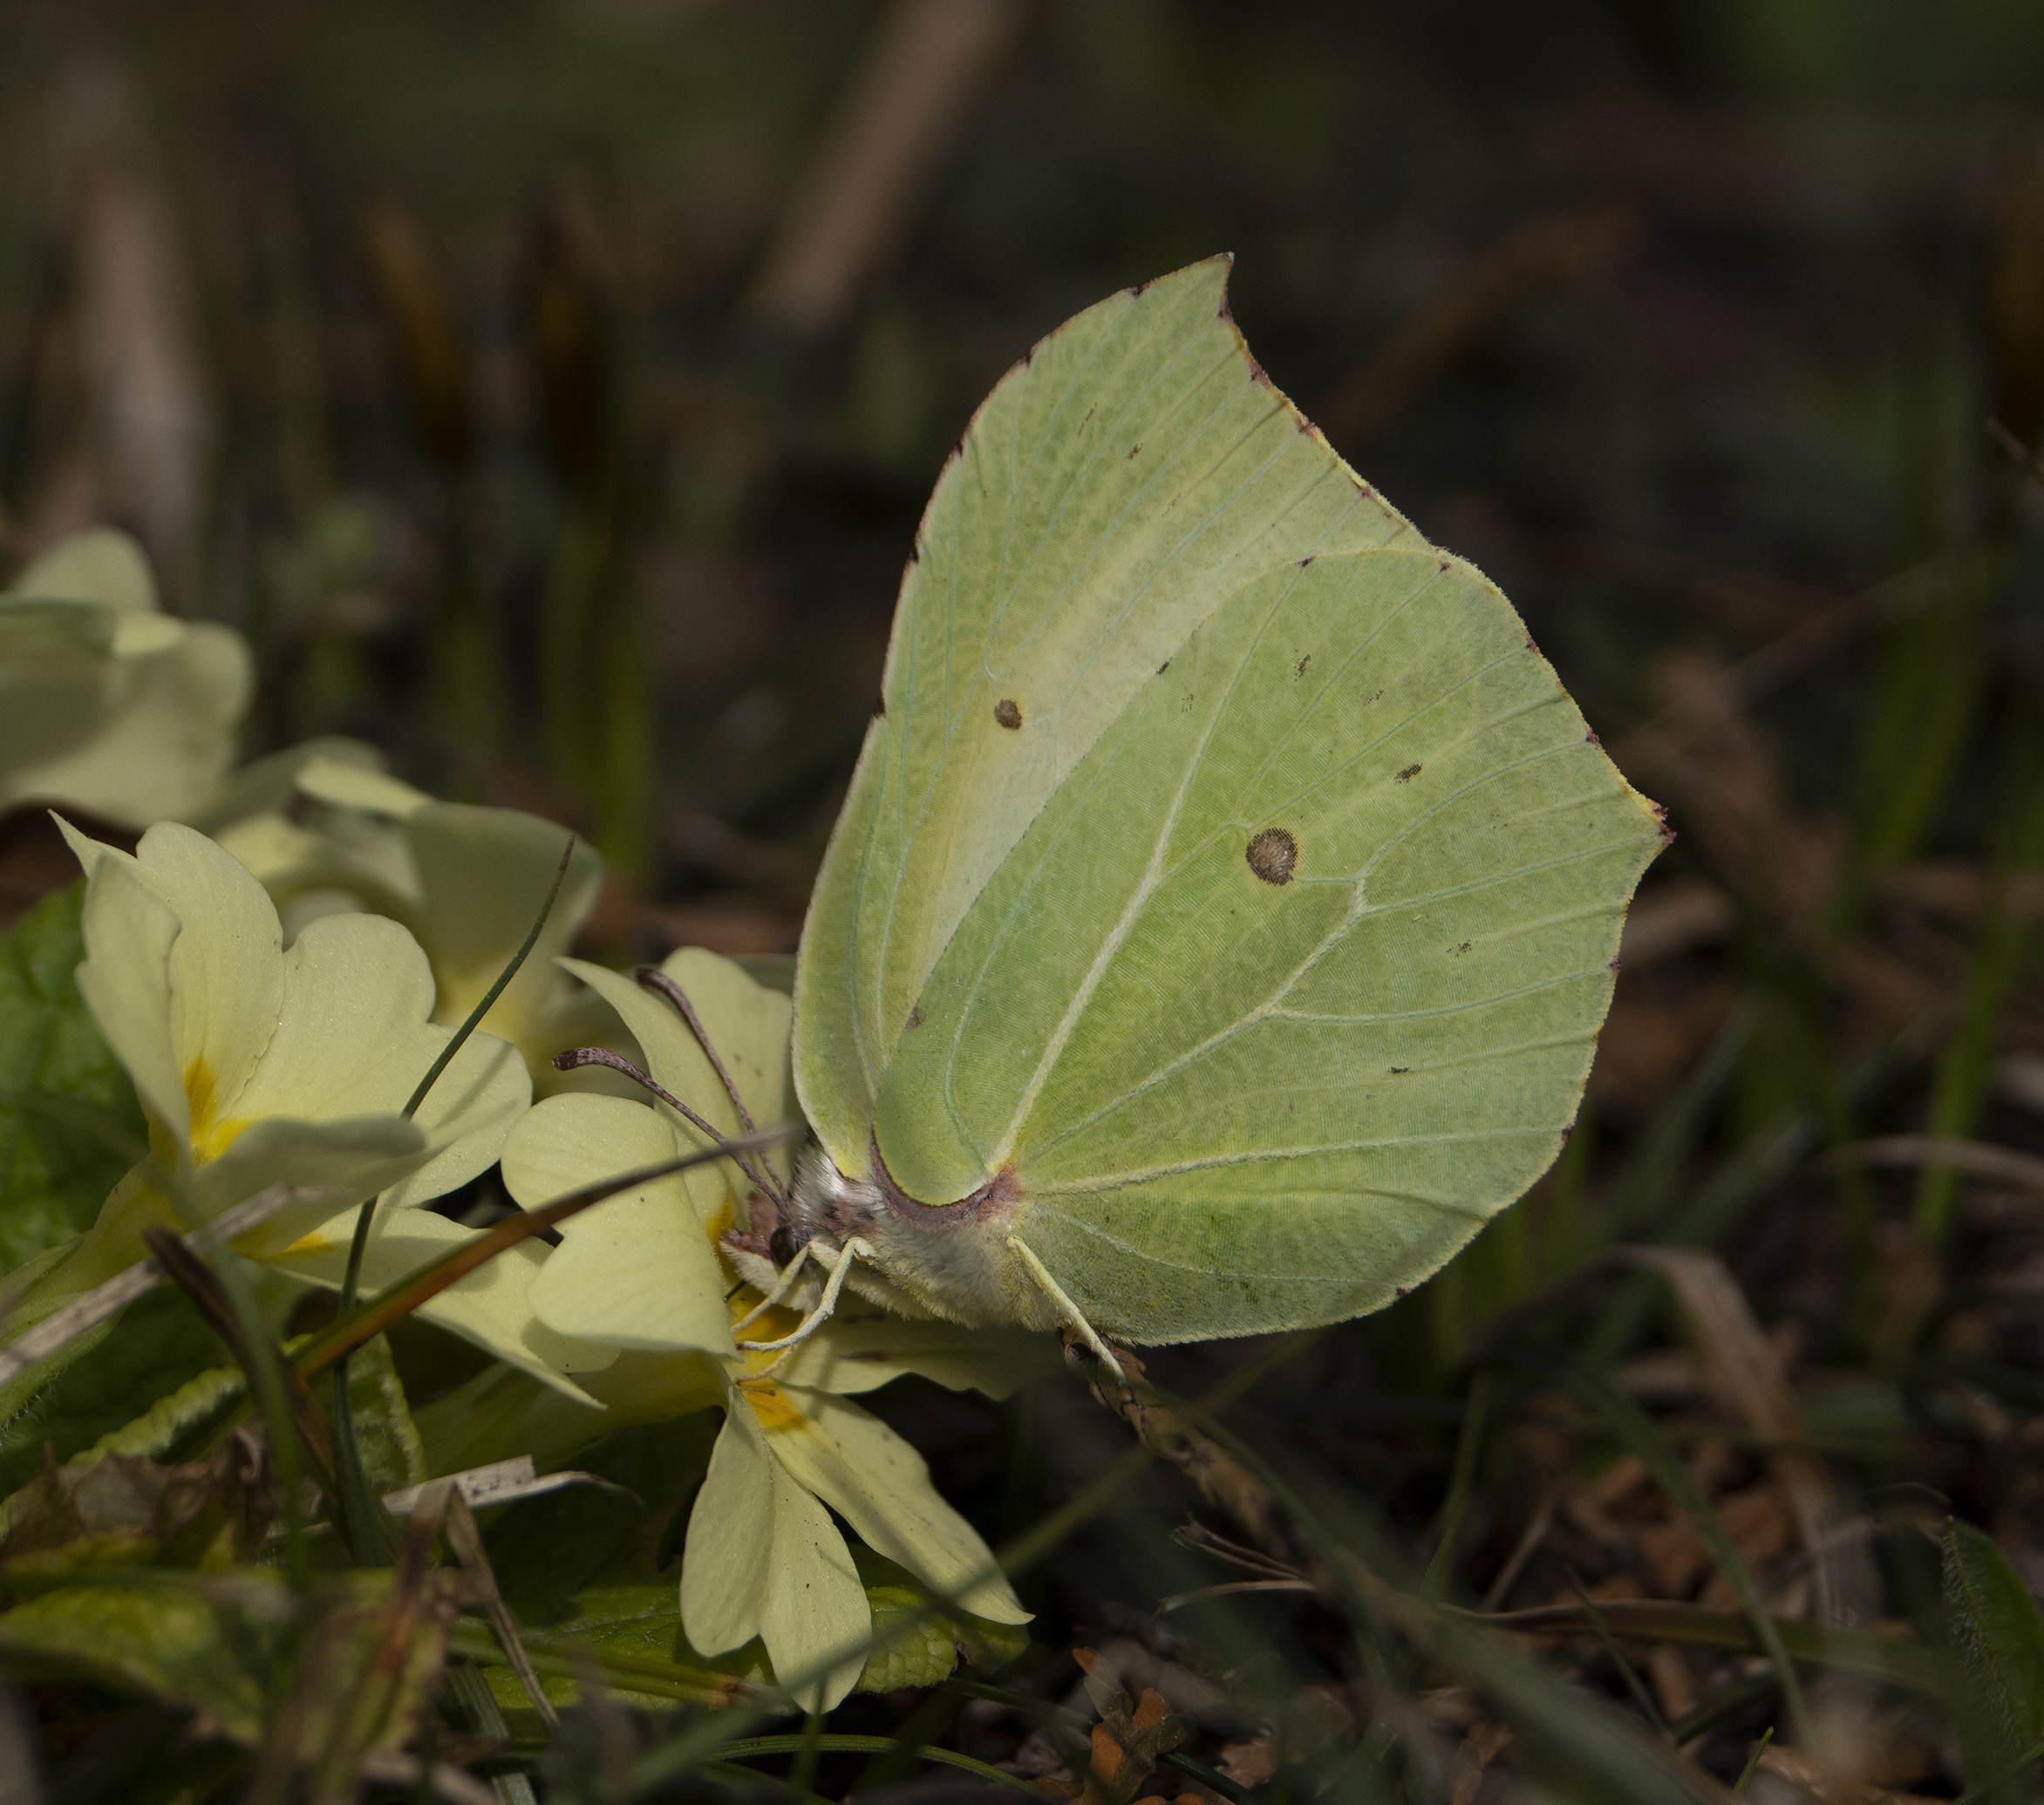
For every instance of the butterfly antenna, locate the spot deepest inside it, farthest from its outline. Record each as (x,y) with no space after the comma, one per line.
(578,1057)
(654,979)
(853,1249)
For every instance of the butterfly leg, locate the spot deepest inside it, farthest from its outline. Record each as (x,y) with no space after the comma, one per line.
(1063,1305)
(782,1286)
(853,1249)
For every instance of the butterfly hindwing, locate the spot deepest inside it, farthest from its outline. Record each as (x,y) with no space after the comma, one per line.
(1296,979)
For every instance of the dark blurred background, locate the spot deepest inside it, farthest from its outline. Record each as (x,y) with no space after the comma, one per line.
(549,387)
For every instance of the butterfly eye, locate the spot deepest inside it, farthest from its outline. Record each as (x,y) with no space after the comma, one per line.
(1272,855)
(784,1243)
(1007,714)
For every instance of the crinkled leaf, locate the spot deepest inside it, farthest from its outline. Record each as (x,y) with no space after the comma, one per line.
(209,1644)
(1999,1639)
(200,1403)
(115,1375)
(631,1619)
(125,1511)
(586,1563)
(385,1437)
(69,1122)
(367,1669)
(218,1643)
(911,1645)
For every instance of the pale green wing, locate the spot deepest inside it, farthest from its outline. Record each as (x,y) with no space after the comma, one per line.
(1295,981)
(1134,471)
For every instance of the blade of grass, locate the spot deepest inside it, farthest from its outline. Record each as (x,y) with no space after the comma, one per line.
(1632,1201)
(1980,1794)
(1726,1702)
(1718,1205)
(926,1723)
(1753,1760)
(190,1274)
(1468,1446)
(1614,1762)
(1634,1685)
(405,1295)
(489,996)
(50,1336)
(802,1775)
(2000,952)
(1599,1396)
(261,1360)
(1892,1659)
(371,1537)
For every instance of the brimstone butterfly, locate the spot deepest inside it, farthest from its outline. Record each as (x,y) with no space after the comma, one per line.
(1226,902)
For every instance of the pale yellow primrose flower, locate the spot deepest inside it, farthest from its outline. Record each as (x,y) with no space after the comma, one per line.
(257,1065)
(107,703)
(642,1273)
(466,880)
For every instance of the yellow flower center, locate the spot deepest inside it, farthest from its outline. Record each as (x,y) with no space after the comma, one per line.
(777,1416)
(211,1137)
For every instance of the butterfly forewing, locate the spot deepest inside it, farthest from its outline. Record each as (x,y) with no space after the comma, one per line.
(1134,472)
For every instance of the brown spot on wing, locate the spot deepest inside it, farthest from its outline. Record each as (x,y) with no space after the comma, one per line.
(1008,713)
(1409,773)
(1273,855)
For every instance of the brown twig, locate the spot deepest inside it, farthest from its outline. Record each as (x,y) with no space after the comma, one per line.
(466,1542)
(879,155)
(1221,1478)
(192,1276)
(39,1341)
(429,1281)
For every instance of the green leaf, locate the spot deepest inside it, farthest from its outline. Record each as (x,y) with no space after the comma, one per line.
(206,1644)
(200,1403)
(69,1122)
(392,1456)
(118,1376)
(229,1643)
(911,1646)
(125,1511)
(585,1562)
(1999,1639)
